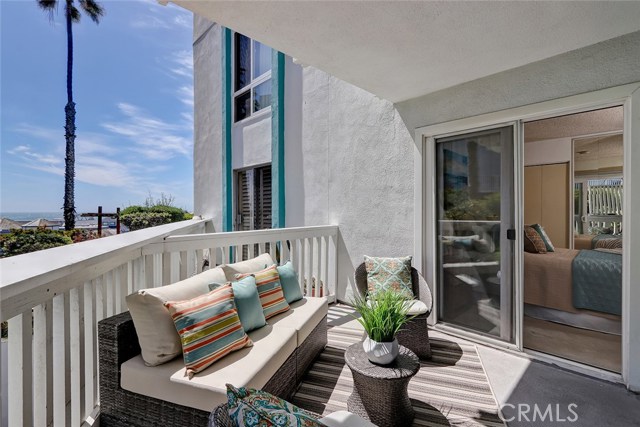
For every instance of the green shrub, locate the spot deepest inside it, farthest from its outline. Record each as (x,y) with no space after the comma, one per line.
(24,241)
(154,212)
(133,209)
(176,214)
(140,220)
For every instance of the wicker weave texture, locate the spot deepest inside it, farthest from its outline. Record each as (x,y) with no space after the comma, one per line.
(118,342)
(415,334)
(380,393)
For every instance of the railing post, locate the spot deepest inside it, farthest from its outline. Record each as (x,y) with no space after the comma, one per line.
(20,370)
(333,266)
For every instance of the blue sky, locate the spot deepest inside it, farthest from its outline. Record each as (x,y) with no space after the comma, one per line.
(133,89)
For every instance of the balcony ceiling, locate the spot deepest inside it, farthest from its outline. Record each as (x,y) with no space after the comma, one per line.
(402,50)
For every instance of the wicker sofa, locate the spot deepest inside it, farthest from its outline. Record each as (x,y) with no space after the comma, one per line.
(134,394)
(415,335)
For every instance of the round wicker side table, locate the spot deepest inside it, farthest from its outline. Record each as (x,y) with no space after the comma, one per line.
(380,392)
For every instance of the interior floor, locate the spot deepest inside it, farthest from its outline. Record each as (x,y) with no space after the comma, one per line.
(598,349)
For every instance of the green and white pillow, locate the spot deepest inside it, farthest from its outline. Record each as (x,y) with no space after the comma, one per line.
(389,273)
(209,328)
(247,300)
(256,408)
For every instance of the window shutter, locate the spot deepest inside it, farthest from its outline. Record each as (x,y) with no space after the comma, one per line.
(244,220)
(263,198)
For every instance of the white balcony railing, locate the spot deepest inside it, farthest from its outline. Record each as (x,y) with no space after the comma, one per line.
(53,300)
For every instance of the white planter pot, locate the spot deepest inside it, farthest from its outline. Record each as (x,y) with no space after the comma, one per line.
(381,353)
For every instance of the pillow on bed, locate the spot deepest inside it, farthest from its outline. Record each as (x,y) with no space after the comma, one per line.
(533,241)
(614,243)
(545,238)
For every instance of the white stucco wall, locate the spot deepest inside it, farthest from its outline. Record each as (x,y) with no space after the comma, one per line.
(607,64)
(207,150)
(356,158)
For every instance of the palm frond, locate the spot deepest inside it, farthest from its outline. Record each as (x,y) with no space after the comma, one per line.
(72,11)
(93,9)
(49,6)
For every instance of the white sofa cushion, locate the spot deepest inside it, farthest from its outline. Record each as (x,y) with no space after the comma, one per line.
(345,419)
(249,266)
(303,316)
(249,367)
(159,340)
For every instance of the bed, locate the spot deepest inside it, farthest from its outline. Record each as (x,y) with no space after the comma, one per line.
(575,281)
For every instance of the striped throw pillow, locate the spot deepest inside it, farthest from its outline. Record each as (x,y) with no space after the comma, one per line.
(270,291)
(209,328)
(612,243)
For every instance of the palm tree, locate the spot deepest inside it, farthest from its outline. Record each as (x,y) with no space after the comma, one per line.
(72,15)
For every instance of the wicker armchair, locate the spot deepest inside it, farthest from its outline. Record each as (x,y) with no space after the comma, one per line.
(415,334)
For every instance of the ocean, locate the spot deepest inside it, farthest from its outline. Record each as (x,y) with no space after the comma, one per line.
(31,216)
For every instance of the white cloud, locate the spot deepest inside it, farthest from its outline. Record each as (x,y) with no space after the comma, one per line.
(44,160)
(162,17)
(150,136)
(183,61)
(185,94)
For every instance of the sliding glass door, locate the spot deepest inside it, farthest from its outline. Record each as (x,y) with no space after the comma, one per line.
(475,228)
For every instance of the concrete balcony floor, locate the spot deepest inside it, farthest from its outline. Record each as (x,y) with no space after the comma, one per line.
(517,381)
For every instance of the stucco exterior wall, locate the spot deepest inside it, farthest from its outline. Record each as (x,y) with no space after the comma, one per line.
(355,156)
(610,63)
(207,150)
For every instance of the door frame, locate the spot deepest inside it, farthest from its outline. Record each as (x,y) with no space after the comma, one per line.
(627,96)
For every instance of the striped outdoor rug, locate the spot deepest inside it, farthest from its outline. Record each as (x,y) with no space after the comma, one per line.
(449,390)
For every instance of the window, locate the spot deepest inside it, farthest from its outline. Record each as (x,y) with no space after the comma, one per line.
(253,210)
(252,77)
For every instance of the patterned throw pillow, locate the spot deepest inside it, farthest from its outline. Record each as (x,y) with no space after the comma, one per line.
(209,328)
(256,408)
(389,273)
(545,237)
(613,243)
(533,241)
(269,290)
(245,295)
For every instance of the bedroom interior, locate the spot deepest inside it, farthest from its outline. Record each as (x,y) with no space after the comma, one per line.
(573,238)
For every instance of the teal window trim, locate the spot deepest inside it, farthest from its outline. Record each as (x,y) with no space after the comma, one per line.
(227,105)
(277,140)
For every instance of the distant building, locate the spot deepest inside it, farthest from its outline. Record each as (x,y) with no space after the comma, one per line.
(7,225)
(42,223)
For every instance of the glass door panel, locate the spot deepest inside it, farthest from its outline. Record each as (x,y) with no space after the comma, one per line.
(474,210)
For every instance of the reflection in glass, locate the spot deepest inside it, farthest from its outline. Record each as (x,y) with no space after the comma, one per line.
(468,215)
(243,104)
(242,60)
(262,96)
(261,59)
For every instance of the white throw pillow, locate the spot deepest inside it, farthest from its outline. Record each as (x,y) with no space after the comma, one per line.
(249,266)
(157,335)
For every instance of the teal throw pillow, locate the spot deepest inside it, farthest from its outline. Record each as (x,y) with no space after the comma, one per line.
(256,408)
(245,296)
(389,273)
(289,282)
